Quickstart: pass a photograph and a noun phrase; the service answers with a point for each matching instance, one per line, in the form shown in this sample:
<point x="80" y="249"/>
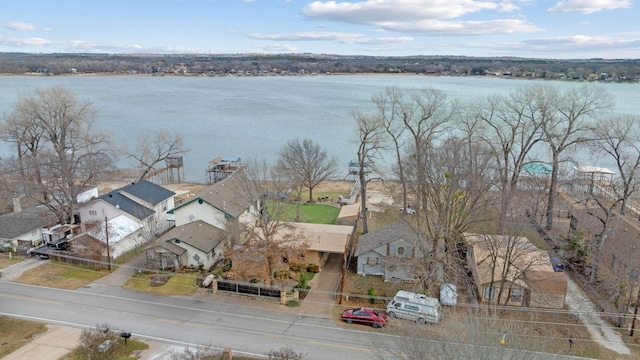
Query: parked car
<point x="43" y="251"/>
<point x="366" y="316"/>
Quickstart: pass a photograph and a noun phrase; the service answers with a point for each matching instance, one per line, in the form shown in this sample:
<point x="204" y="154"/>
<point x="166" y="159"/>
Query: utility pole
<point x="106" y="231"/>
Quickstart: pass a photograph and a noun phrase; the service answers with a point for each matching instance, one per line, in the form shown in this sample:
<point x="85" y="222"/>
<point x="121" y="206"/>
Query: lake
<point x="253" y="117"/>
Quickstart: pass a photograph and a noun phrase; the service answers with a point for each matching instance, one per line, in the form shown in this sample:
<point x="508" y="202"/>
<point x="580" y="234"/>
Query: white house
<point x="225" y="204"/>
<point x="121" y="233"/>
<point x="144" y="202"/>
<point x="196" y="244"/>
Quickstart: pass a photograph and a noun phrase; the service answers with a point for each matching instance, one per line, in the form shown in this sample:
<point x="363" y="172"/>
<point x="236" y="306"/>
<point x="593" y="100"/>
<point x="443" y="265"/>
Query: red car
<point x="366" y="316"/>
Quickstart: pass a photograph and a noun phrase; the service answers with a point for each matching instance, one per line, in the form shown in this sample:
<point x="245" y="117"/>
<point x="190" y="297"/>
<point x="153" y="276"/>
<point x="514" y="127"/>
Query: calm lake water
<point x="253" y="117"/>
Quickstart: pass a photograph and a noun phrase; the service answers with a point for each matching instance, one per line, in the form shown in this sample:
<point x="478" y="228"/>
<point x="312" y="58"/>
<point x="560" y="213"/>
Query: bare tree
<point x="508" y="258"/>
<point x="272" y="238"/>
<point x="567" y="120"/>
<point x="154" y="148"/>
<point x="307" y="162"/>
<point x="22" y="131"/>
<point x="511" y="129"/>
<point x="618" y="138"/>
<point x="426" y="115"/>
<point x="394" y="126"/>
<point x="455" y="187"/>
<point x="369" y="146"/>
<point x="77" y="151"/>
<point x="603" y="212"/>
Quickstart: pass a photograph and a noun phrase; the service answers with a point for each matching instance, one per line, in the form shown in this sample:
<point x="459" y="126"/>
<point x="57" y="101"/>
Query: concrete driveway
<point x="323" y="289"/>
<point x="578" y="301"/>
<point x="16" y="270"/>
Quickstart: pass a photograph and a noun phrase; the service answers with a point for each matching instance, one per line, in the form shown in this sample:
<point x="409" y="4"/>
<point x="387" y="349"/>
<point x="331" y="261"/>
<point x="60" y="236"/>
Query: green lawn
<point x="312" y="213"/>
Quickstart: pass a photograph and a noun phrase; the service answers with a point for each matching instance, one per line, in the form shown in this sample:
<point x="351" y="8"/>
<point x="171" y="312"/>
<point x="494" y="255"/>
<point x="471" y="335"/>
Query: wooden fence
<point x="79" y="259"/>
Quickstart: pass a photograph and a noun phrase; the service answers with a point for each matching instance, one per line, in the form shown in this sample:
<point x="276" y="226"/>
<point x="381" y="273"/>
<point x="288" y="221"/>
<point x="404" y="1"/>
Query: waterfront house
<point x="511" y="270"/>
<point x="391" y="252"/>
<point x="228" y="204"/>
<point x="196" y="244"/>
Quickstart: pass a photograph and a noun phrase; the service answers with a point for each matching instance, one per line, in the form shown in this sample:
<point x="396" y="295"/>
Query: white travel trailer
<point x="416" y="307"/>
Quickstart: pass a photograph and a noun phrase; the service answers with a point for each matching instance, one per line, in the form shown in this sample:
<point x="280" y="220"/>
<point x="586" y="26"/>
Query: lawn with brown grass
<point x="61" y="276"/>
<point x="5" y="262"/>
<point x="16" y="332"/>
<point x="180" y="284"/>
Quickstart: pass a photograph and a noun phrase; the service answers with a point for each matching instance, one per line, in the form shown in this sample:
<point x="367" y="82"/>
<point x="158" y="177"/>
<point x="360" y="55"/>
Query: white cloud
<point x="582" y="41"/>
<point x="413" y="16"/>
<point x="589" y="6"/>
<point x="343" y="38"/>
<point x="278" y="48"/>
<point x="20" y="26"/>
<point x="371" y="12"/>
<point x="506" y="26"/>
<point x="25" y="41"/>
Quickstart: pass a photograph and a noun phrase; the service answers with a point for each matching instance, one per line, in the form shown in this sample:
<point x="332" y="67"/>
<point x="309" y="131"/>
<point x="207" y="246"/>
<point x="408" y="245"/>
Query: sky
<point x="557" y="29"/>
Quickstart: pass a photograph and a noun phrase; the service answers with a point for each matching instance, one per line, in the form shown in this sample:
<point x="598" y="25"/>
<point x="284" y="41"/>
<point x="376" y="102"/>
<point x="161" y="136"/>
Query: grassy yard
<point x="309" y="213"/>
<point x="61" y="276"/>
<point x="16" y="332"/>
<point x="181" y="284"/>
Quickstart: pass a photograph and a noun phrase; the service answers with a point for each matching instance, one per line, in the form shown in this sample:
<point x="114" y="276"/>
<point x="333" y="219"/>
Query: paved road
<point x="182" y="321"/>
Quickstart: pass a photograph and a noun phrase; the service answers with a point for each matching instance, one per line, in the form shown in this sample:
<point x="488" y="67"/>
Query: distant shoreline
<point x="407" y="74"/>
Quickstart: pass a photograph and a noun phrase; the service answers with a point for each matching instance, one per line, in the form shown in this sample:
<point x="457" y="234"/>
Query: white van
<point x="416" y="307"/>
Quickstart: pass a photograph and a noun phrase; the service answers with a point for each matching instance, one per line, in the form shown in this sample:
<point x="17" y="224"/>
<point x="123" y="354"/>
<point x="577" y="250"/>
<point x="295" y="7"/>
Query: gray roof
<point x="198" y="234"/>
<point x="148" y="191"/>
<point x="232" y="195"/>
<point x="15" y="224"/>
<point x="399" y="230"/>
<point x="127" y="205"/>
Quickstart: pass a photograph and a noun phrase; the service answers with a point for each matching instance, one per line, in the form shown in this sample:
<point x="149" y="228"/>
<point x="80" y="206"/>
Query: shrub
<point x="313" y="268"/>
<point x="371" y="292"/>
<point x="282" y="274"/>
<point x="302" y="281"/>
<point x="296" y="266"/>
<point x="285" y="353"/>
<point x="293" y="303"/>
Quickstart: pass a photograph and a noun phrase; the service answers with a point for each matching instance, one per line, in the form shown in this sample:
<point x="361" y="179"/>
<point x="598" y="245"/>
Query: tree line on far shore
<point x="620" y="70"/>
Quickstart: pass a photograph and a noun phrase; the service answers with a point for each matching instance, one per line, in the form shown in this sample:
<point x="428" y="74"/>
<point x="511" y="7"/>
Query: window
<point x="372" y="261"/>
<point x="516" y="295"/>
<point x="164" y="205"/>
<point x="93" y="212"/>
<point x="411" y="307"/>
<point x="489" y="292"/>
<point x="401" y="250"/>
